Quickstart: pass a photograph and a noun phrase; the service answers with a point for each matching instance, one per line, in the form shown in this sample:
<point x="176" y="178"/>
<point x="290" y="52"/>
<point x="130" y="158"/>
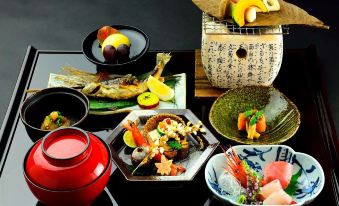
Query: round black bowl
<point x="71" y="103"/>
<point x="139" y="46"/>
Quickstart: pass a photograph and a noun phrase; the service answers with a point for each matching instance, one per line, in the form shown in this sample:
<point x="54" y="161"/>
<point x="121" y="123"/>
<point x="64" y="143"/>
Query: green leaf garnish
<point x="253" y="121"/>
<point x="107" y="104"/>
<point x="241" y="199"/>
<point x="255" y="118"/>
<point x="59" y="121"/>
<point x="175" y="145"/>
<point x="258" y="114"/>
<point x="292" y="187"/>
<point x="248" y="113"/>
<point x="249" y="169"/>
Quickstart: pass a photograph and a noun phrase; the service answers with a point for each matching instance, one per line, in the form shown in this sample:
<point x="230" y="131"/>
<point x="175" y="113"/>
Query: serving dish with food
<point x="255" y="115"/>
<point x="161" y="145"/>
<point x="118" y="190"/>
<point x="115" y="46"/>
<point x="52" y="108"/>
<point x="264" y="175"/>
<point x="111" y="93"/>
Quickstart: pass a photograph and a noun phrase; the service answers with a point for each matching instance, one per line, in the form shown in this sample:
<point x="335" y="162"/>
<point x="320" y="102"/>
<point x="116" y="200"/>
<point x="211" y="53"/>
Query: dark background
<point x="170" y="24"/>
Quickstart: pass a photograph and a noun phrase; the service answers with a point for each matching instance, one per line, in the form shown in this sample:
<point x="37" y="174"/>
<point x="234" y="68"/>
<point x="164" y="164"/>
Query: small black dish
<point x="71" y="103"/>
<point x="139" y="46"/>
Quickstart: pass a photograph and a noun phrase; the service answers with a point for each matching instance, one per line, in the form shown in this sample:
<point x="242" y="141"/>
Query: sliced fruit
<point x="164" y="92"/>
<point x="148" y="100"/>
<point x="104" y="32"/>
<point x="279" y="170"/>
<point x="238" y="9"/>
<point x="161" y="128"/>
<point x="115" y="40"/>
<point x="123" y="52"/>
<point x="110" y="53"/>
<point x="129" y="140"/>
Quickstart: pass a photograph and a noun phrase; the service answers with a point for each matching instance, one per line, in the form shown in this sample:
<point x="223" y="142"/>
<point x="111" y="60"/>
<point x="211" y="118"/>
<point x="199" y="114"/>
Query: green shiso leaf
<point x="171" y="81"/>
<point x="106" y="104"/>
<point x="175" y="145"/>
<point x="292" y="187"/>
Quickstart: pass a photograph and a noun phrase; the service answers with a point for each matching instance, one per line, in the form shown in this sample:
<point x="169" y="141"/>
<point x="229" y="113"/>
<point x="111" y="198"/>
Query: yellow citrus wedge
<point x="115" y="40"/>
<point x="164" y="92"/>
<point x="128" y="139"/>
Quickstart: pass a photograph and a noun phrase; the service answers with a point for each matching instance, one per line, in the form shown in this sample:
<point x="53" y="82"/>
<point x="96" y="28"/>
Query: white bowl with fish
<point x="264" y="175"/>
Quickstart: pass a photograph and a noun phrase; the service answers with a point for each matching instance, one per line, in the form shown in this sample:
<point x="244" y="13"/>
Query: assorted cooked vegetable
<point x="55" y="120"/>
<point x="162" y="143"/>
<point x="253" y="121"/>
<point x="275" y="187"/>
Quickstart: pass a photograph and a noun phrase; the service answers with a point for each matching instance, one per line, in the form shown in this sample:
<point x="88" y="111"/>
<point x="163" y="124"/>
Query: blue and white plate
<point x="309" y="185"/>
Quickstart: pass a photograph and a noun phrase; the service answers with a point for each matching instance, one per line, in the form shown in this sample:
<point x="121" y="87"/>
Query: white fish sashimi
<point x="229" y="184"/>
<point x="279" y="197"/>
<point x="269" y="188"/>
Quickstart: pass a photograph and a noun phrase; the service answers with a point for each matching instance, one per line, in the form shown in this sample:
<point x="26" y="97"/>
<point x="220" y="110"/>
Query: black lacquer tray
<point x="299" y="79"/>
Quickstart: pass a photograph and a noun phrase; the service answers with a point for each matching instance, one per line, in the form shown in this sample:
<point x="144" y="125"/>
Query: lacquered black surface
<point x="297" y="79"/>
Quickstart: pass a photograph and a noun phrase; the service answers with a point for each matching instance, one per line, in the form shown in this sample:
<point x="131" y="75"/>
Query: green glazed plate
<point x="282" y="116"/>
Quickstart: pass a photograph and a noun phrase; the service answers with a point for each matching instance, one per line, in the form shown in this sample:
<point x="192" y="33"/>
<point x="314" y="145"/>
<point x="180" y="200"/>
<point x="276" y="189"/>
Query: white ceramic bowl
<point x="310" y="183"/>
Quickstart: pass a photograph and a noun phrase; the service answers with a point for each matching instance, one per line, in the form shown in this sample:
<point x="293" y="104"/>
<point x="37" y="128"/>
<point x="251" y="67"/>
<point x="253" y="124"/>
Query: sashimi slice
<point x="269" y="188"/>
<point x="278" y="198"/>
<point x="278" y="170"/>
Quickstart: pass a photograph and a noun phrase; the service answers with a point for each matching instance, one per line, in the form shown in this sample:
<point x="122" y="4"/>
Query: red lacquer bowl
<point x="68" y="167"/>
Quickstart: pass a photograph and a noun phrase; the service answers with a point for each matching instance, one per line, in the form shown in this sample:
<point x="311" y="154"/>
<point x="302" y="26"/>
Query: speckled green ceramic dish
<point x="282" y="116"/>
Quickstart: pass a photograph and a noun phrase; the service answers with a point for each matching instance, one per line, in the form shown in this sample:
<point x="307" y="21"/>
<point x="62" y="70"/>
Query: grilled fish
<point x="107" y="85"/>
<point x="125" y="87"/>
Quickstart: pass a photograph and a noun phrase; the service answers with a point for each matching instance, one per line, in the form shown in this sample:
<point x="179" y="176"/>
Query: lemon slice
<point x="128" y="139"/>
<point x="164" y="92"/>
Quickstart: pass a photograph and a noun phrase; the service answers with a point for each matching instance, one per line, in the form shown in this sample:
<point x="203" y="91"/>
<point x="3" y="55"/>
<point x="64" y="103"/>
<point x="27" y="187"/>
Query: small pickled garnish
<point x="241" y="199"/>
<point x="54" y="120"/>
<point x="164" y="167"/>
<point x="175" y="145"/>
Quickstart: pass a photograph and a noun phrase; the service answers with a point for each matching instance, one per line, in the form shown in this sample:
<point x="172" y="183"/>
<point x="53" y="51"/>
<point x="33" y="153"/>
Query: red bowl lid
<point x="66" y="159"/>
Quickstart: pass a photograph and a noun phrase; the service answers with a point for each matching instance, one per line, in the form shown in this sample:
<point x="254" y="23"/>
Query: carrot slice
<point x="174" y="170"/>
<point x="261" y="124"/>
<point x="241" y="122"/>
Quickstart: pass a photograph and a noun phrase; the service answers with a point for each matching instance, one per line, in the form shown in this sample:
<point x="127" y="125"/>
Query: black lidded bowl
<point x="72" y="104"/>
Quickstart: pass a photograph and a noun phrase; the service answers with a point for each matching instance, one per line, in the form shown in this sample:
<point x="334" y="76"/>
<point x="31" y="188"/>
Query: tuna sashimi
<point x="269" y="188"/>
<point x="278" y="170"/>
<point x="279" y="197"/>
